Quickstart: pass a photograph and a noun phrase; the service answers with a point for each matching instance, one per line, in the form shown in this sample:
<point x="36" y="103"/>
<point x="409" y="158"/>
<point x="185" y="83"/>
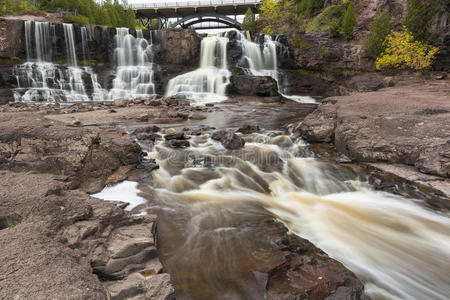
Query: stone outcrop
<point x="11" y="41"/>
<point x="246" y="85"/>
<point x="319" y="52"/>
<point x="65" y="244"/>
<point x="405" y="124"/>
<point x="85" y="158"/>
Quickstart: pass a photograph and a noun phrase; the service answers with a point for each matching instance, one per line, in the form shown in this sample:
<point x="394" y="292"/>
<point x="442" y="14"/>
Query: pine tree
<point x="349" y="22"/>
<point x="249" y="22"/>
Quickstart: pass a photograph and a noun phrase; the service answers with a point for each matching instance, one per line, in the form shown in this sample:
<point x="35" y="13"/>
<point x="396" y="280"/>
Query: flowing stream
<point x="213" y="203"/>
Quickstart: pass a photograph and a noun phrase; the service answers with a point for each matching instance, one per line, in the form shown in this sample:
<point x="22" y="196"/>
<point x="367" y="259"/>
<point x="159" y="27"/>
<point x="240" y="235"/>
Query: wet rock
<point x="232" y="141"/>
<point x="247" y="129"/>
<point x="263" y="86"/>
<point x="172" y="101"/>
<point x="218" y="135"/>
<point x="144" y="136"/>
<point x="175" y="136"/>
<point x="178" y="143"/>
<point x="147" y="129"/>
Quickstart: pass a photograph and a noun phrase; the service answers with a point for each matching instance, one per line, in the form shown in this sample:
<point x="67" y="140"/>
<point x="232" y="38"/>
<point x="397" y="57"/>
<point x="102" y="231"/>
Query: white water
<point x="134" y="59"/>
<point x="398" y="248"/>
<point x="208" y="83"/>
<point x="40" y="78"/>
<point x="262" y="61"/>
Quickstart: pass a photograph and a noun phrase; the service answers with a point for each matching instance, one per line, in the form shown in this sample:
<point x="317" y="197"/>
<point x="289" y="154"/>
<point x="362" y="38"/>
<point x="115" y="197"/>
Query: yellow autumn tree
<point x="402" y="51"/>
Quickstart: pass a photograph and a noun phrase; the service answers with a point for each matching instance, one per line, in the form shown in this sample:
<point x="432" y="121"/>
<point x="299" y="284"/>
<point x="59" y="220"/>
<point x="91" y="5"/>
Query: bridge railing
<point x="190" y="3"/>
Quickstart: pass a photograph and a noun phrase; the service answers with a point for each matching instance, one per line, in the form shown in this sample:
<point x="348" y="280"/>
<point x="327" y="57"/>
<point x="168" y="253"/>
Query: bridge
<point x="189" y="13"/>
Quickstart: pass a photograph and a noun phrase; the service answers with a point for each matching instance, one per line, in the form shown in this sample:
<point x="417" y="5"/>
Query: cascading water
<point x="262" y="61"/>
<point x="42" y="80"/>
<point x="208" y="83"/>
<point x="134" y="58"/>
<point x="398" y="248"/>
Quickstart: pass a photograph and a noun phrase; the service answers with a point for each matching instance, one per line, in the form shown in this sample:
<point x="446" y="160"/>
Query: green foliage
<point x="12" y="223"/>
<point x="322" y="22"/>
<point x="419" y="17"/>
<point x="300" y="43"/>
<point x="349" y="22"/>
<point x="379" y="30"/>
<point x="249" y="23"/>
<point x="334" y="29"/>
<point x="306" y="8"/>
<point x="326" y="52"/>
<point x="403" y="52"/>
<point x="277" y="16"/>
<point x="111" y="13"/>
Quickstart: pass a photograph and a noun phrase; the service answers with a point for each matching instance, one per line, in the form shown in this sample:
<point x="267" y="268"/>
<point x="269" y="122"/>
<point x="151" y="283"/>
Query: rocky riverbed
<point x="60" y="242"/>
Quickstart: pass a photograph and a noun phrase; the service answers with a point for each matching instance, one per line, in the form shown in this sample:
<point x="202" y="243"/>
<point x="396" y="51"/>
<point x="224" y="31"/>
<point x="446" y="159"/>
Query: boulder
<point x="178" y="143"/>
<point x="246" y="129"/>
<point x="175" y="136"/>
<point x="263" y="86"/>
<point x="232" y="141"/>
<point x="367" y="82"/>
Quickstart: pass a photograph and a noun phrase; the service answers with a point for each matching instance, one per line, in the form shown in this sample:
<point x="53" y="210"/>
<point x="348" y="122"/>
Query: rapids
<point x="212" y="204"/>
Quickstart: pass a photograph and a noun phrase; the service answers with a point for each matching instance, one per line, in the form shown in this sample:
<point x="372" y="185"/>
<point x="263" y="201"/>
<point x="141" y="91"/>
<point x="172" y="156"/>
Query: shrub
<point x="420" y="16"/>
<point x="76" y="19"/>
<point x="379" y="30"/>
<point x="349" y="22"/>
<point x="323" y="21"/>
<point x="335" y="28"/>
<point x="277" y="16"/>
<point x="249" y="21"/>
<point x="306" y="8"/>
<point x="402" y="51"/>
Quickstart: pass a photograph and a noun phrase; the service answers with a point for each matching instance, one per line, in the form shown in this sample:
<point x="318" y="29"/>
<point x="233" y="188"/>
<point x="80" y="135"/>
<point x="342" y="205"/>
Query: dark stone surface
<point x="246" y="85"/>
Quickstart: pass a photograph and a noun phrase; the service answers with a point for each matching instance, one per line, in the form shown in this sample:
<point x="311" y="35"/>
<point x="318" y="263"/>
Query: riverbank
<point x="60" y="241"/>
<point x="402" y="130"/>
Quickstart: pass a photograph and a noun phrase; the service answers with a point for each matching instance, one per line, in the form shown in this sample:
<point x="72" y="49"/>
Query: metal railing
<point x="199" y="3"/>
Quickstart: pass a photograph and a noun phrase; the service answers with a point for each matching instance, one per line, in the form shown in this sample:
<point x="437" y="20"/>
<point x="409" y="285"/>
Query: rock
<point x="232" y="141"/>
<point x="366" y="82"/>
<point x="264" y="86"/>
<point x="87" y="157"/>
<point x="247" y="129"/>
<point x="339" y="55"/>
<point x="403" y="124"/>
<point x="218" y="135"/>
<point x="175" y="136"/>
<point x="170" y="130"/>
<point x="319" y="126"/>
<point x="178" y="143"/>
<point x="120" y="103"/>
<point x="112" y="110"/>
<point x="172" y="101"/>
<point x="11" y="38"/>
<point x="76" y="122"/>
<point x="147" y="129"/>
<point x="148" y="136"/>
<point x="143" y="118"/>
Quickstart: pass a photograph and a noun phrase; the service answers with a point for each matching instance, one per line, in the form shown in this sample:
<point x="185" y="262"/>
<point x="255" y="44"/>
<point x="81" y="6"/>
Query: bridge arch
<point x="207" y="17"/>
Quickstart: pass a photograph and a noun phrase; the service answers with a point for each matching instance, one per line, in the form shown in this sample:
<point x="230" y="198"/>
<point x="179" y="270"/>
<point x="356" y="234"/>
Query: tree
<point x="420" y="16"/>
<point x="249" y="21"/>
<point x="402" y="51"/>
<point x="349" y="22"/>
<point x="379" y="29"/>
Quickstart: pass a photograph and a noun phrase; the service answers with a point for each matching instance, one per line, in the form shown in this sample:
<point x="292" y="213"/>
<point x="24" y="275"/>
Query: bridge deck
<point x="180" y="9"/>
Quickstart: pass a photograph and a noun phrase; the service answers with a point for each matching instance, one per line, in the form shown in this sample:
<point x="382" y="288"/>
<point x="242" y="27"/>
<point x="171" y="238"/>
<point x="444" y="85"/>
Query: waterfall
<point x="208" y="83"/>
<point x="262" y="61"/>
<point x="39" y="79"/>
<point x="84" y="43"/>
<point x="134" y="58"/>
